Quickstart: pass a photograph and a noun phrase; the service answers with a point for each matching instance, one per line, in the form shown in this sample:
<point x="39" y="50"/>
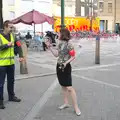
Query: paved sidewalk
<point x="30" y="88"/>
<point x="97" y="86"/>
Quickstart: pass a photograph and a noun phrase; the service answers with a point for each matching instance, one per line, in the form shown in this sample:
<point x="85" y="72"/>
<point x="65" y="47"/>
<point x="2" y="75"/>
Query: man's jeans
<point x="10" y="72"/>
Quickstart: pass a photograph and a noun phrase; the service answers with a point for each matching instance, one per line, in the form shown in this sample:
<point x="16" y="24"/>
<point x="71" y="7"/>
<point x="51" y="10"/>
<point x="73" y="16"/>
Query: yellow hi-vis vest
<point x="7" y="55"/>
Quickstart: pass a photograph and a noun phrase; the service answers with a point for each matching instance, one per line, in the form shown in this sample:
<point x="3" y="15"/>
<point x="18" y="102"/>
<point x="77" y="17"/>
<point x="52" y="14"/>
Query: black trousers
<point x="10" y="72"/>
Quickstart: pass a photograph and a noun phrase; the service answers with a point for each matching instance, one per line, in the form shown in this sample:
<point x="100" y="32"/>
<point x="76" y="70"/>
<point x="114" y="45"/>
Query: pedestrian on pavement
<point x="28" y="36"/>
<point x="7" y="67"/>
<point x="28" y="39"/>
<point x="42" y="39"/>
<point x="66" y="54"/>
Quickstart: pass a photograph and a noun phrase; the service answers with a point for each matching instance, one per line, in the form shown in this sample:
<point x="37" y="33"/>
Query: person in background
<point x="7" y="62"/>
<point x="43" y="41"/>
<point x="66" y="54"/>
<point x="28" y="36"/>
<point x="28" y="39"/>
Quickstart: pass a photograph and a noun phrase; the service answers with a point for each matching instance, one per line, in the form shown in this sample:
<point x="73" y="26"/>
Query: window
<point x="69" y="6"/>
<point x="90" y="11"/>
<point x="11" y="2"/>
<point x="109" y="7"/>
<point x="101" y="6"/>
<point x="91" y="1"/>
<point x="82" y="11"/>
<point x="82" y="0"/>
<point x="12" y="14"/>
<point x="27" y="0"/>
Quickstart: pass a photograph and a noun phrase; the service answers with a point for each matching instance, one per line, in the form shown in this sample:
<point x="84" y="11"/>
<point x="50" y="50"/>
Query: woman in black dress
<point x="65" y="53"/>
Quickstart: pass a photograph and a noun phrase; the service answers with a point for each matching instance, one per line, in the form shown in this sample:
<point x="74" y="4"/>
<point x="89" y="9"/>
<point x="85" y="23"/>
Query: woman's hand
<point x="64" y="64"/>
<point x="49" y="46"/>
<point x="21" y="59"/>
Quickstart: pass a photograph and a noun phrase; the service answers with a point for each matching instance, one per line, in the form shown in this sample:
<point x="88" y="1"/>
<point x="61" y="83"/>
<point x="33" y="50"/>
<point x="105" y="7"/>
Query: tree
<point x="1" y="16"/>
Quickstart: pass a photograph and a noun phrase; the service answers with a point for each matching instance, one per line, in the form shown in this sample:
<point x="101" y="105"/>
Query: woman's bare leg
<point x="74" y="99"/>
<point x="65" y="93"/>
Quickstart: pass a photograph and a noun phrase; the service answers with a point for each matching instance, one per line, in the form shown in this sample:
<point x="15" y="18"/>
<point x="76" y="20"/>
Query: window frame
<point x="101" y="6"/>
<point x="110" y="7"/>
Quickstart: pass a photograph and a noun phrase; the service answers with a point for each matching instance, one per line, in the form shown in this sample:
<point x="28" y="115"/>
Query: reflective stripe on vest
<point x="7" y="58"/>
<point x="7" y="55"/>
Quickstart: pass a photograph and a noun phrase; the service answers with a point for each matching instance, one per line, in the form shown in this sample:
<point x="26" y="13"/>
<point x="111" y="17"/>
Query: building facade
<point x="107" y="10"/>
<point x="86" y="7"/>
<point x="69" y="8"/>
<point x="106" y="14"/>
<point x="14" y="8"/>
<point x="109" y="14"/>
<point x="9" y="9"/>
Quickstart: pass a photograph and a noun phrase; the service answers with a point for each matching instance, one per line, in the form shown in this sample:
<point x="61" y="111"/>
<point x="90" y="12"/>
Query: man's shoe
<point x="2" y="105"/>
<point x="14" y="99"/>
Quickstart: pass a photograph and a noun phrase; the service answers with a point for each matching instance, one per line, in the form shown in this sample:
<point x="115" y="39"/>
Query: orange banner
<point x="77" y="24"/>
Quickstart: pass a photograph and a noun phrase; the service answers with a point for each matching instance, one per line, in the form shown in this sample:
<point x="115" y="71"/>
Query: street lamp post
<point x="62" y="14"/>
<point x="115" y="16"/>
<point x="91" y="18"/>
<point x="91" y="24"/>
<point x="97" y="50"/>
<point x="1" y="16"/>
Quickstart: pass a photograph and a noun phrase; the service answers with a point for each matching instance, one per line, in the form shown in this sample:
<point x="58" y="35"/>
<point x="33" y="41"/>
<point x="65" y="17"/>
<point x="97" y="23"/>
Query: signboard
<point x="77" y="24"/>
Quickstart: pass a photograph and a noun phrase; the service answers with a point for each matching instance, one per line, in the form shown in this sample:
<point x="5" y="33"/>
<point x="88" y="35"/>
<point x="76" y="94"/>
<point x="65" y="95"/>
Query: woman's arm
<point x="72" y="54"/>
<point x="54" y="51"/>
<point x="70" y="60"/>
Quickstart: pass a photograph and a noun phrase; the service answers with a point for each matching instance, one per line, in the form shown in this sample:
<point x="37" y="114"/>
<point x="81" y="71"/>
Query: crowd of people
<point x="89" y="34"/>
<point x="38" y="37"/>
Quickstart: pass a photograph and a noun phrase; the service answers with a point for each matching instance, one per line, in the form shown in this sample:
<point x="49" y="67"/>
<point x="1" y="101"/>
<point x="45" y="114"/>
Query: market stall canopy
<point x="33" y="17"/>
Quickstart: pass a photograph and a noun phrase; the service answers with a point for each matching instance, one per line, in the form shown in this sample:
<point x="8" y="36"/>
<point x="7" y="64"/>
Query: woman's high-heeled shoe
<point x="78" y="113"/>
<point x="64" y="106"/>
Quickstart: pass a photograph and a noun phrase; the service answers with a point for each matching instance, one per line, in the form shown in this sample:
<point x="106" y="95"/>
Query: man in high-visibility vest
<point x="7" y="67"/>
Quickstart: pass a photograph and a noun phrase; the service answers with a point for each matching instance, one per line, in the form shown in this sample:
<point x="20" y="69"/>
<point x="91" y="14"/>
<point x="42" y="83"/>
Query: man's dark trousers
<point x="9" y="71"/>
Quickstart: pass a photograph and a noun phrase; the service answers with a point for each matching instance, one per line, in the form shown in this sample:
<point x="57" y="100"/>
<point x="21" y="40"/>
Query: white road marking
<point x="104" y="69"/>
<point x="52" y="67"/>
<point x="39" y="105"/>
<point x="97" y="81"/>
<point x="43" y="65"/>
<point x="117" y="54"/>
<point x="95" y="67"/>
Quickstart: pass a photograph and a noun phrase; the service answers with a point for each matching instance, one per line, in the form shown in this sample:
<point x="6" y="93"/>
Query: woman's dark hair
<point x="64" y="34"/>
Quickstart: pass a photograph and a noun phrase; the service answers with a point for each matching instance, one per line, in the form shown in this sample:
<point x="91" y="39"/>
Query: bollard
<point x="97" y="52"/>
<point x="23" y="64"/>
